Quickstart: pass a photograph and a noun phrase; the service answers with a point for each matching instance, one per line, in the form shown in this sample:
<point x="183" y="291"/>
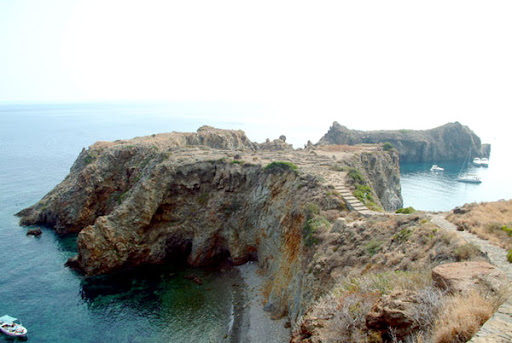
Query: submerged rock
<point x="34" y="232"/>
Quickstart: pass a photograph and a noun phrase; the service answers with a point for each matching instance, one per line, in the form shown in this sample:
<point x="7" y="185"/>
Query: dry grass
<point x="461" y="317"/>
<point x="486" y="220"/>
<point x="339" y="148"/>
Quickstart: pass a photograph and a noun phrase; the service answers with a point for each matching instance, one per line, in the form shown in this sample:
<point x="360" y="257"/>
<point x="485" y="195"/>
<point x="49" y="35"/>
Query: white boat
<point x="464" y="176"/>
<point x="477" y="162"/>
<point x="484" y="162"/>
<point x="469" y="178"/>
<point x="9" y="327"/>
<point x="436" y="168"/>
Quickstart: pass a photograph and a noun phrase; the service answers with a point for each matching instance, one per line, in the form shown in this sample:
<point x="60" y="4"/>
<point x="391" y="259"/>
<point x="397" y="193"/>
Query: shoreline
<point x="252" y="323"/>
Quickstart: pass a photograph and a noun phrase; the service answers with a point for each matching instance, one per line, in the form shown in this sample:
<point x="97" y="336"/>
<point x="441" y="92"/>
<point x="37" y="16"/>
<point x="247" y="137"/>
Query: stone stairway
<point x="321" y="166"/>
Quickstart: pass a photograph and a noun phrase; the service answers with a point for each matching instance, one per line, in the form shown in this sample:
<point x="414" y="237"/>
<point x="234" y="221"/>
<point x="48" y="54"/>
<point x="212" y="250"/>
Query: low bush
<point x="466" y="252"/>
<point x="407" y="210"/>
<point x="355" y="176"/>
<point x="461" y="317"/>
<point x="387" y="146"/>
<point x="281" y="166"/>
<point x="311" y="228"/>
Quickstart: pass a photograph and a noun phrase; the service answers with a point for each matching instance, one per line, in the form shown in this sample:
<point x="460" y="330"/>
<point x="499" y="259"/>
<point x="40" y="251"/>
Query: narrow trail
<point x="499" y="327"/>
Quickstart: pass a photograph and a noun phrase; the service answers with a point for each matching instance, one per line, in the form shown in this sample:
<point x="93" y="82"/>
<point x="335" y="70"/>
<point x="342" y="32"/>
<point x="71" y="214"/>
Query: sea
<point x="38" y="145"/>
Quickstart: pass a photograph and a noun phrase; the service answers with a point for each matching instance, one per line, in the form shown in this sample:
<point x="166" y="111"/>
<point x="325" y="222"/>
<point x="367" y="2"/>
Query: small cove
<point x="148" y="304"/>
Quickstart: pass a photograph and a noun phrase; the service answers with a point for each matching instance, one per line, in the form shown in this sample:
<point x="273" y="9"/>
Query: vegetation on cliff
<point x="385" y="291"/>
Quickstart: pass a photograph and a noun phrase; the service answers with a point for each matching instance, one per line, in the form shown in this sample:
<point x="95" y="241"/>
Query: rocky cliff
<point x="451" y="141"/>
<point x="210" y="196"/>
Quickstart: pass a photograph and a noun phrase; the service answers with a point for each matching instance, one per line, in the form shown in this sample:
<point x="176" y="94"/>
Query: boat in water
<point x="481" y="162"/>
<point x="469" y="178"/>
<point x="466" y="177"/>
<point x="436" y="169"/>
<point x="9" y="327"/>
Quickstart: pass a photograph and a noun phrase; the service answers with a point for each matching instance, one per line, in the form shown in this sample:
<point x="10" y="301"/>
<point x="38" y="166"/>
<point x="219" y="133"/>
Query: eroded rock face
<point x="451" y="141"/>
<point x="203" y="198"/>
<point x="103" y="174"/>
<point x="397" y="310"/>
<point x="465" y="276"/>
<point x="206" y="210"/>
<point x="382" y="171"/>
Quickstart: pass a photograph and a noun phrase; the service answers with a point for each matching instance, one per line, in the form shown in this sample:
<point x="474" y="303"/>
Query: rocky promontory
<point x="452" y="141"/>
<point x="314" y="219"/>
<point x="205" y="197"/>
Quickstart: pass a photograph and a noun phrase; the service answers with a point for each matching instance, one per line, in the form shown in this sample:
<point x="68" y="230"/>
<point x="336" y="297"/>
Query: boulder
<point x="466" y="276"/>
<point x="397" y="311"/>
<point x="34" y="232"/>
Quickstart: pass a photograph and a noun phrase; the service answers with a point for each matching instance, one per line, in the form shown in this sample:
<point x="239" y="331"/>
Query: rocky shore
<point x="257" y="324"/>
<point x="214" y="196"/>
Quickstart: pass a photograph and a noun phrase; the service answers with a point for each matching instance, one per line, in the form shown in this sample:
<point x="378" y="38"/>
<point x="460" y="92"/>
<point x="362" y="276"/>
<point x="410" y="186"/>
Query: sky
<point x="366" y="64"/>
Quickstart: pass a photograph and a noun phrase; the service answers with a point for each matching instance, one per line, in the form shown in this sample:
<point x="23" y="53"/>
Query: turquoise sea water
<point x="39" y="143"/>
<point x="425" y="190"/>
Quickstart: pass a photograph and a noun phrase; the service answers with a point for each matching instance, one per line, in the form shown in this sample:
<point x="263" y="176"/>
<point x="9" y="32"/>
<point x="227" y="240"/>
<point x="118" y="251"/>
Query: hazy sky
<point x="366" y="64"/>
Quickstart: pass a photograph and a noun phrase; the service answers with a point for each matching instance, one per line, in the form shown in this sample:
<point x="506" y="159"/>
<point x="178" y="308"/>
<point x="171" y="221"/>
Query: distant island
<point x="452" y="141"/>
<point x="337" y="261"/>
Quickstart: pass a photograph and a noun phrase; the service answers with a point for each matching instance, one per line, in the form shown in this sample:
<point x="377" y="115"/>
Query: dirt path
<point x="499" y="327"/>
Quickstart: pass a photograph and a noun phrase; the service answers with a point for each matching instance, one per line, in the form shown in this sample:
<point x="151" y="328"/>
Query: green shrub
<point x="237" y="162"/>
<point x="509" y="255"/>
<point x="407" y="210"/>
<point x="312" y="209"/>
<point x="355" y="176"/>
<point x="278" y="166"/>
<point x="403" y="235"/>
<point x="311" y="227"/>
<point x="387" y="146"/>
<point x="373" y="247"/>
<point x="360" y="192"/>
<point x="88" y="159"/>
<point x="507" y="230"/>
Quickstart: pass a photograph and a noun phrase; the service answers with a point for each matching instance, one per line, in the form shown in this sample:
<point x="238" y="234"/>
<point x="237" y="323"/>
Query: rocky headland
<point x="452" y="141"/>
<point x="314" y="220"/>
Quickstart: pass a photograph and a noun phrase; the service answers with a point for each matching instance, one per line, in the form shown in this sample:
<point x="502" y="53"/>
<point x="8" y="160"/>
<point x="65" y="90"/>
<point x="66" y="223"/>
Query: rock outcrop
<point x="451" y="141"/>
<point x="466" y="276"/>
<point x="397" y="310"/>
<point x="206" y="197"/>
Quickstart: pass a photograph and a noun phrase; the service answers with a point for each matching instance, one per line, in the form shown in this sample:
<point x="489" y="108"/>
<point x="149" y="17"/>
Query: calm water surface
<point x="425" y="190"/>
<point x="38" y="145"/>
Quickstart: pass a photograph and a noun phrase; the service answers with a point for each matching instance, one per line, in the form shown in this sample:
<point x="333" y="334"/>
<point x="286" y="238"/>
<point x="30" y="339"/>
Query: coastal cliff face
<point x="451" y="141"/>
<point x="205" y="197"/>
<point x="381" y="169"/>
